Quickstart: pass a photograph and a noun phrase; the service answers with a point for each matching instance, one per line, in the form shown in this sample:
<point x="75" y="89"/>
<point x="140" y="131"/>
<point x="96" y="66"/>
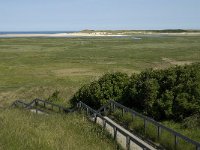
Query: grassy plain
<point x="36" y="67"/>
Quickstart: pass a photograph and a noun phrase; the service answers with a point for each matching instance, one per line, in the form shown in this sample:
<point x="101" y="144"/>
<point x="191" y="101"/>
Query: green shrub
<point x="88" y="94"/>
<point x="142" y="92"/>
<point x="192" y="121"/>
<point x="54" y="97"/>
<point x="173" y="93"/>
<point x="110" y="86"/>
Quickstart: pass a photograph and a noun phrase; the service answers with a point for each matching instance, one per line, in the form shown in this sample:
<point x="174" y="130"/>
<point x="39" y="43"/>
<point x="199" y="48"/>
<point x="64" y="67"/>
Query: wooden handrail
<point x="159" y="125"/>
<point x="35" y="103"/>
<point x="97" y="114"/>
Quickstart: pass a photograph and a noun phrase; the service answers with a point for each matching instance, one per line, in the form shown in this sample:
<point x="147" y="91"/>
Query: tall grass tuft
<point x="22" y="130"/>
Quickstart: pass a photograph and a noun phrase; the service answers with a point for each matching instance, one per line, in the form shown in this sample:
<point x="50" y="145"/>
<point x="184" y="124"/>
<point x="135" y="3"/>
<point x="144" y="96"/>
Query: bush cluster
<point x="97" y="93"/>
<point x="173" y="93"/>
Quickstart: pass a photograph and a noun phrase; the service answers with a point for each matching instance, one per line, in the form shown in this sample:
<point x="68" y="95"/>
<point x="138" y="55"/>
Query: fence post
<point x="197" y="148"/>
<point x="115" y="133"/>
<point x="14" y="104"/>
<point x="175" y="141"/>
<point x="77" y="105"/>
<point x="145" y="125"/>
<point x="132" y="116"/>
<point x="104" y="110"/>
<point x="110" y="108"/>
<point x="36" y="103"/>
<point x="159" y="132"/>
<point x="113" y="106"/>
<point x="122" y="111"/>
<point x="80" y="105"/>
<point x="104" y="124"/>
<point x="95" y="117"/>
<point x="128" y="142"/>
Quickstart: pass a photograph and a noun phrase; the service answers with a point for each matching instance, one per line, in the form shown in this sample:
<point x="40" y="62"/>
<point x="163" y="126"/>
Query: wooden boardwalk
<point x="124" y="137"/>
<point x="121" y="138"/>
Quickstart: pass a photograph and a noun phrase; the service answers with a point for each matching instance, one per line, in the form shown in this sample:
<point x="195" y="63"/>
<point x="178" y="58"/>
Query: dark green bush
<point x="142" y="92"/>
<point x="109" y="86"/>
<point x="173" y="93"/>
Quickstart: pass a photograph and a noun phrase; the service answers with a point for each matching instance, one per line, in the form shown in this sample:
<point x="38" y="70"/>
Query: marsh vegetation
<point x="38" y="67"/>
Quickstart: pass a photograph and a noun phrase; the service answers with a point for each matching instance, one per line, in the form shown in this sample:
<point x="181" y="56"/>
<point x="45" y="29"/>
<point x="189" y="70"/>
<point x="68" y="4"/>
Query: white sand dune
<point x="97" y="34"/>
<point x="77" y="34"/>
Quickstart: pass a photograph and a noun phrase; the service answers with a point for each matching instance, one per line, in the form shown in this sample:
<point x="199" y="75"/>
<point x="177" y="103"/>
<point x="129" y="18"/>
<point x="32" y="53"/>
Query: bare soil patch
<point x="175" y="62"/>
<point x="74" y="72"/>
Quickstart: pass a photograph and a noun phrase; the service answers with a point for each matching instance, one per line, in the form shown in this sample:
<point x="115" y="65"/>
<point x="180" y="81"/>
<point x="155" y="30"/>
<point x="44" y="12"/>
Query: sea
<point x="35" y="32"/>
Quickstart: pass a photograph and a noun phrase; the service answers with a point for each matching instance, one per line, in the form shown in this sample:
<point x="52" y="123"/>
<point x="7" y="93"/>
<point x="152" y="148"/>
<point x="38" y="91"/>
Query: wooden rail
<point x="112" y="105"/>
<point x="23" y="104"/>
<point x="159" y="126"/>
<point x="59" y="107"/>
<point x="116" y="129"/>
<point x="38" y="102"/>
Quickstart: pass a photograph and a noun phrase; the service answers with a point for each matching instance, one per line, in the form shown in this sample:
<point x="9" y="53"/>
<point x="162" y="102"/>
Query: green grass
<point x="36" y="67"/>
<point x="24" y="130"/>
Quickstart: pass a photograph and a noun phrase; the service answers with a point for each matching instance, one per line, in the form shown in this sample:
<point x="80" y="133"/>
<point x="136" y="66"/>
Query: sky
<point x="74" y="15"/>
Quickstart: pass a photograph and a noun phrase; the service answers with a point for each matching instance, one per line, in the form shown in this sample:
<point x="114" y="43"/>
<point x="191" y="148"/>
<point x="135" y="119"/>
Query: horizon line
<point x="187" y="29"/>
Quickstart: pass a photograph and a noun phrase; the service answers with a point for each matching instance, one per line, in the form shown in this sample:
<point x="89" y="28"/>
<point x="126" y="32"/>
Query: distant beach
<point x="92" y="34"/>
<point x="55" y="34"/>
<point x="35" y="33"/>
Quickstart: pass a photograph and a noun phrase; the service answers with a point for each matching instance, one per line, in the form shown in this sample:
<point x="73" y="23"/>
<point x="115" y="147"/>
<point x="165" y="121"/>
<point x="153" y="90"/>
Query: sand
<point x="77" y="34"/>
<point x="99" y="34"/>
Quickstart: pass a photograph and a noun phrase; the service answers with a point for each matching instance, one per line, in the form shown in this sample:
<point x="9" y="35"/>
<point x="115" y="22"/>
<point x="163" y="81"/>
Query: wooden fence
<point x="95" y="114"/>
<point x="38" y="103"/>
<point x="113" y="105"/>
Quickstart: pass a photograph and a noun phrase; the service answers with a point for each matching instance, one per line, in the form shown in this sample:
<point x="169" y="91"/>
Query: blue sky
<point x="47" y="15"/>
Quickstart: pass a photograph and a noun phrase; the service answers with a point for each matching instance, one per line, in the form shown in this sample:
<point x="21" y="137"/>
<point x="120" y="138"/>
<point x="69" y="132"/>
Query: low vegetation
<point x="25" y="130"/>
<point x="36" y="67"/>
<point x="171" y="96"/>
<point x="173" y="93"/>
<point x="97" y="93"/>
<point x="55" y="68"/>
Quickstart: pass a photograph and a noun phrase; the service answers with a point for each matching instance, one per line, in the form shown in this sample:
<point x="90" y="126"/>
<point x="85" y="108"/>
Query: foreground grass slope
<point x="24" y="130"/>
